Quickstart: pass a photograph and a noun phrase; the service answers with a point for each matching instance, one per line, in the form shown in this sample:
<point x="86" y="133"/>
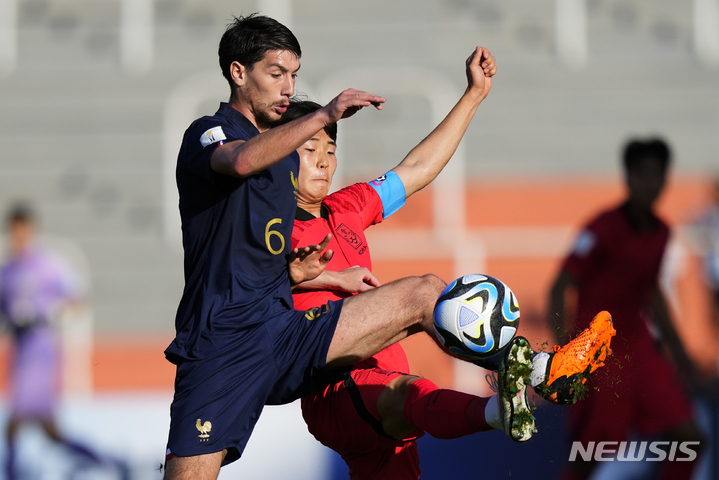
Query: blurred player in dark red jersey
<point x="615" y="265"/>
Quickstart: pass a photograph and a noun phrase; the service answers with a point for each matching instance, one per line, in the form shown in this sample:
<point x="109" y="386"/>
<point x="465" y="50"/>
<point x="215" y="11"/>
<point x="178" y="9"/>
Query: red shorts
<point x="638" y="391"/>
<point x="344" y="417"/>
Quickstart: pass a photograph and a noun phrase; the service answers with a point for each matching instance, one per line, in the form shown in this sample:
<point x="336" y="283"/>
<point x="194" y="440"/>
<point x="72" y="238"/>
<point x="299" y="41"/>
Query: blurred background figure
<point x="706" y="231"/>
<point x="36" y="285"/>
<point x="615" y="265"/>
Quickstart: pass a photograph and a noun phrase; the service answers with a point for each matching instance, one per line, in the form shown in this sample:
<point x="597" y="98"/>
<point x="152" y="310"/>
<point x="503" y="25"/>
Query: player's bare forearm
<point x="327" y="280"/>
<point x="353" y="280"/>
<point x="243" y="158"/>
<point x="426" y="160"/>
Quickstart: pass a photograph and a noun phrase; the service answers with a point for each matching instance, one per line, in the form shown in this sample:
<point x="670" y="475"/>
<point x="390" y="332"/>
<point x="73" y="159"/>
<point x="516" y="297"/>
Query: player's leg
<point x="50" y="428"/>
<point x="560" y="376"/>
<point x="688" y="431"/>
<point x="664" y="407"/>
<point x="11" y="430"/>
<point x="218" y="400"/>
<point x="343" y="416"/>
<point x="397" y="462"/>
<point x="374" y="320"/>
<point x="409" y="403"/>
<point x="198" y="467"/>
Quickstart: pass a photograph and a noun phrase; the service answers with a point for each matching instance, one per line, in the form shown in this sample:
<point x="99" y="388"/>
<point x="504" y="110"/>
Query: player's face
<point x="269" y="85"/>
<point x="317" y="167"/>
<point x="20" y="234"/>
<point x="645" y="181"/>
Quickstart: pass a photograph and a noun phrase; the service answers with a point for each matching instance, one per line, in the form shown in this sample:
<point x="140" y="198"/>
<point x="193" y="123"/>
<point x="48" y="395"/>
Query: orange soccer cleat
<point x="569" y="366"/>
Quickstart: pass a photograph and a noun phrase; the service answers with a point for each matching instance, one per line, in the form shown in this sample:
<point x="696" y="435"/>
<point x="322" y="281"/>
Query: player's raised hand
<point x="350" y="102"/>
<point x="481" y="68"/>
<point x="306" y="263"/>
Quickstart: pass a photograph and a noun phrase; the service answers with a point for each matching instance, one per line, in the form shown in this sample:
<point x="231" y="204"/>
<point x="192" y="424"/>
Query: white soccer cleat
<point x="513" y="380"/>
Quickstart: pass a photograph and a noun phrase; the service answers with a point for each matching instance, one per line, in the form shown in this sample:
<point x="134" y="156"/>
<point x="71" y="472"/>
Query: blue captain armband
<point x="390" y="189"/>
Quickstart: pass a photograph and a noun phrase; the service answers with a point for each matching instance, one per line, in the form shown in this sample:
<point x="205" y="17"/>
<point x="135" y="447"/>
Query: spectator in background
<point x="615" y="266"/>
<point x="35" y="286"/>
<point x="705" y="232"/>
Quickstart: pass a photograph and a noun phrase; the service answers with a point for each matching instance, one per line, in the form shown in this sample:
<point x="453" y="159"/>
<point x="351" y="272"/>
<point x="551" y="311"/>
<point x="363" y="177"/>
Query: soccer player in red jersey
<point x="615" y="265"/>
<point x="374" y="416"/>
<point x="363" y="417"/>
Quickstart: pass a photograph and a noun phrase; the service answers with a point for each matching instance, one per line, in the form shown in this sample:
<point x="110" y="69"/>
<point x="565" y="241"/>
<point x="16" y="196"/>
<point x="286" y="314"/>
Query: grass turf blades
<point x="513" y="380"/>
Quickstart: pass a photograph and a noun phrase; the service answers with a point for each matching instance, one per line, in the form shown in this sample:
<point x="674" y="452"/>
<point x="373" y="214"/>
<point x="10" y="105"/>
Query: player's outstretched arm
<point x="242" y="158"/>
<point x="353" y="280"/>
<point x="426" y="160"/>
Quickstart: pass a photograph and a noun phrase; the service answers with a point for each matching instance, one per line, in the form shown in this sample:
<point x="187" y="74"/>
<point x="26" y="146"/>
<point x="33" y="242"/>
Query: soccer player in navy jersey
<point x="239" y="344"/>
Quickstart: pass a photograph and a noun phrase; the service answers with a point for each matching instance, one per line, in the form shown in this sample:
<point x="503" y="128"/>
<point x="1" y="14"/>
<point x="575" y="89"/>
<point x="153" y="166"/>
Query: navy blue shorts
<point x="218" y="400"/>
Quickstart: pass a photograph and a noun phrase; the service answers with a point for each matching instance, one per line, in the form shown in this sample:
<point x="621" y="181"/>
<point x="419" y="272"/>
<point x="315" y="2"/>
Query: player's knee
<point x="431" y="287"/>
<point x="435" y="283"/>
<point x="397" y="390"/>
<point x="390" y="406"/>
<point x="425" y="299"/>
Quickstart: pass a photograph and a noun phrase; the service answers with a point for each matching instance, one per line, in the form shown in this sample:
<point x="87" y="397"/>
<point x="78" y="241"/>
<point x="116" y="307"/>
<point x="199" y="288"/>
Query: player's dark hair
<point x="247" y="39"/>
<point x="300" y="108"/>
<point x="637" y="150"/>
<point x="20" y="213"/>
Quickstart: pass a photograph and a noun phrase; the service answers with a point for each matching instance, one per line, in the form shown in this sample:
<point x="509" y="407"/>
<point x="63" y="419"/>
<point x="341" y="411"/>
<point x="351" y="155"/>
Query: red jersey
<point x="345" y="214"/>
<point x="616" y="267"/>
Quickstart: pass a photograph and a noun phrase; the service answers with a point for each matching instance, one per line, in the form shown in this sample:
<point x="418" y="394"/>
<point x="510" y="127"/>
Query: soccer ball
<point x="476" y="316"/>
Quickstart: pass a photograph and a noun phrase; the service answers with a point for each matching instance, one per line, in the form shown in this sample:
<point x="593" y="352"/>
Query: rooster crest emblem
<point x="295" y="182"/>
<point x="203" y="428"/>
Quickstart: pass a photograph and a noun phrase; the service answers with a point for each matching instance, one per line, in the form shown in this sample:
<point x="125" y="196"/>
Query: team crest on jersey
<point x="295" y="183"/>
<point x="204" y="429"/>
<point x="314" y="312"/>
<point x="584" y="244"/>
<point x="351" y="237"/>
<point x="213" y="135"/>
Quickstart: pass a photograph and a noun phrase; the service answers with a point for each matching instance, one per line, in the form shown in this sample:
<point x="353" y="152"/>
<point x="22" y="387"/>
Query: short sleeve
<point x="359" y="199"/>
<point x="200" y="141"/>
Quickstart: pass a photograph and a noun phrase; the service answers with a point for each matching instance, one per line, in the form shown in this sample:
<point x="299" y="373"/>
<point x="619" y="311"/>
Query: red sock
<point x="444" y="413"/>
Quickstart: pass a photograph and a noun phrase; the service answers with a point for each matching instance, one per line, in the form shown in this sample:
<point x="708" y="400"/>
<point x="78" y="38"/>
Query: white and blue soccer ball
<point x="476" y="316"/>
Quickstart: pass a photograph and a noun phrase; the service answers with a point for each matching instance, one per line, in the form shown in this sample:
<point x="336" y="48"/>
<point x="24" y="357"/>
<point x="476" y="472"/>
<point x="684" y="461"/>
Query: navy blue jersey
<point x="236" y="237"/>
